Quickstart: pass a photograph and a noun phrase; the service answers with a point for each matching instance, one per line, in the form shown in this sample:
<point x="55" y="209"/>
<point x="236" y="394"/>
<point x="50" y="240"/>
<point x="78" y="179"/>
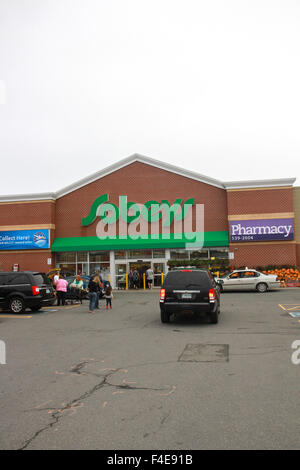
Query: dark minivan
<point x="192" y="290"/>
<point x="19" y="290"/>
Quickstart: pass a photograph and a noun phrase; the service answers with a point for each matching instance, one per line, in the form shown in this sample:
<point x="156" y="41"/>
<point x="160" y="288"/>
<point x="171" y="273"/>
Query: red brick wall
<point x="31" y="213"/>
<point x="298" y="254"/>
<point x="263" y="254"/>
<point x="141" y="183"/>
<point x="30" y="261"/>
<point x="260" y="201"/>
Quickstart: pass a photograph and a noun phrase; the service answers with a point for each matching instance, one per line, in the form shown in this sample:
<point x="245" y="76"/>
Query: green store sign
<point x="151" y="211"/>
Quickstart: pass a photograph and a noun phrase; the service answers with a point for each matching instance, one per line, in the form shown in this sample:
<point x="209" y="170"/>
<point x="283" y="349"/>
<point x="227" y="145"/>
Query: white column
<point x="167" y="256"/>
<point x="112" y="269"/>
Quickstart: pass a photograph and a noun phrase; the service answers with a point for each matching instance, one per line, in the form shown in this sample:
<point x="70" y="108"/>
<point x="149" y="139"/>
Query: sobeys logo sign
<point x="151" y="211"/>
<point x="148" y="221"/>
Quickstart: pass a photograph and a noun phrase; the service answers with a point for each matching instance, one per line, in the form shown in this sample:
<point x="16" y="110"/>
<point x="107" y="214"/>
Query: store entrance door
<point x="141" y="268"/>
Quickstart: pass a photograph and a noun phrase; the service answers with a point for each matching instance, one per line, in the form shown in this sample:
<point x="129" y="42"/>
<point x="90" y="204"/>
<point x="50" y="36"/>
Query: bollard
<point x="126" y="281"/>
<point x="162" y="278"/>
<point x="144" y="280"/>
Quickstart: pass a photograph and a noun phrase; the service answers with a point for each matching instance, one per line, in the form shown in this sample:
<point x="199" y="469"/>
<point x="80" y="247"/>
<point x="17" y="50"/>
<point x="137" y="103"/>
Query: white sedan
<point x="248" y="279"/>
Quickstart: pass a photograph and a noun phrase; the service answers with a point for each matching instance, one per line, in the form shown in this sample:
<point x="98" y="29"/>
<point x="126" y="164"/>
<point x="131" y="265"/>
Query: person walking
<point x="94" y="289"/>
<point x="108" y="296"/>
<point x="61" y="290"/>
<point x="135" y="278"/>
<point x="150" y="277"/>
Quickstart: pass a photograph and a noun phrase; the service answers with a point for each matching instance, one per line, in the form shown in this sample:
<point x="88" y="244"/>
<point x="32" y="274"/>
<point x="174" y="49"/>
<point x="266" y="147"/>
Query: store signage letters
<point x="261" y="230"/>
<point x="151" y="211"/>
<point x="134" y="219"/>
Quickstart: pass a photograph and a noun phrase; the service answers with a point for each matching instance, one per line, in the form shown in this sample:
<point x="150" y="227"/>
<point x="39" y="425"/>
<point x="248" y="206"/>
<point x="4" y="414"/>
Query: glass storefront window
<point x="158" y="253"/>
<point x="82" y="256"/>
<point x="219" y="253"/>
<point x="179" y="254"/>
<point x="100" y="268"/>
<point x="67" y="269"/>
<point x="66" y="257"/>
<point x="121" y="254"/>
<point x="99" y="256"/>
<point x="140" y="254"/>
<point x="199" y="254"/>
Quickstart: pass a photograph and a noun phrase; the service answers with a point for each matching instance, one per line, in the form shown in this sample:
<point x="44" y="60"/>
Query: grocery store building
<point x="253" y="223"/>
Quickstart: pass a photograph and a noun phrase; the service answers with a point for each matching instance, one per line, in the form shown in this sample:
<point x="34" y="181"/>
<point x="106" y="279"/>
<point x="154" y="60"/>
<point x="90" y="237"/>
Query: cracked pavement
<point x="114" y="379"/>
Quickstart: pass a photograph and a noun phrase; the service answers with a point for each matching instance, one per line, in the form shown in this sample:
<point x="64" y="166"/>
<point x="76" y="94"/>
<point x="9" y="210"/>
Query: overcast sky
<point x="208" y="85"/>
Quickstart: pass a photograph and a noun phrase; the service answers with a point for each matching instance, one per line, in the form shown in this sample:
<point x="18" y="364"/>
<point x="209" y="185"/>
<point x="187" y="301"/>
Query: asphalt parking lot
<point x="121" y="379"/>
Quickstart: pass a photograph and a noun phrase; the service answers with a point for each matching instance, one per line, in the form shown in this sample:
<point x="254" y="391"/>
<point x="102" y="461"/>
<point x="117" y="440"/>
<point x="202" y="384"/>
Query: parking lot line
<point x="289" y="307"/>
<point x="15" y="316"/>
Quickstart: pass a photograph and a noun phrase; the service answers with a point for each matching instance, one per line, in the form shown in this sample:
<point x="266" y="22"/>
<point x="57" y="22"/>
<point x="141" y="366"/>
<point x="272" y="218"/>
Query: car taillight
<point x="187" y="271"/>
<point x="211" y="295"/>
<point x="35" y="290"/>
<point x="162" y="294"/>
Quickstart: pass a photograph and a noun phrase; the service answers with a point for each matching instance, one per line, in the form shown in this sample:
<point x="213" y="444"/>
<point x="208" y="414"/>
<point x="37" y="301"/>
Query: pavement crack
<point x="57" y="414"/>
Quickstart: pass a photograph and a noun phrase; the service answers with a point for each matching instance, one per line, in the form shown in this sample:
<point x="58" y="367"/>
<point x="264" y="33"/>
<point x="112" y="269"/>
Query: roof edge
<point x="249" y="184"/>
<point x="152" y="162"/>
<point x="28" y="197"/>
<point x="142" y="159"/>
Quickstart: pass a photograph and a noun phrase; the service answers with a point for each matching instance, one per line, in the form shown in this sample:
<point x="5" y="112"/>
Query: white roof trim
<point x="142" y="159"/>
<point x="259" y="183"/>
<point x="148" y="161"/>
<point x="28" y="197"/>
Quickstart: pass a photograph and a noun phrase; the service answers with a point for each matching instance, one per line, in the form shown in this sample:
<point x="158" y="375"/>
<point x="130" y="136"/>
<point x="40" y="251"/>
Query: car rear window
<point x="185" y="279"/>
<point x="40" y="279"/>
<point x="15" y="279"/>
<point x="3" y="278"/>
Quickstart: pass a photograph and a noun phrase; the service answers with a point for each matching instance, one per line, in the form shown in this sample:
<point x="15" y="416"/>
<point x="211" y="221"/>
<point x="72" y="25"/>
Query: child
<point x="108" y="296"/>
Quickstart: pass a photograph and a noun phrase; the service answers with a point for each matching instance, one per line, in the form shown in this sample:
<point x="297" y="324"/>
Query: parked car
<point x="84" y="278"/>
<point x="248" y="279"/>
<point x="192" y="290"/>
<point x="19" y="290"/>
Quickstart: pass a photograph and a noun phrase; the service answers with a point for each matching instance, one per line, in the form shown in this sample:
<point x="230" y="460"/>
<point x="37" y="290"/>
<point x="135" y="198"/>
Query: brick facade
<point x="143" y="182"/>
<point x="140" y="183"/>
<point x="25" y="216"/>
<point x="256" y="204"/>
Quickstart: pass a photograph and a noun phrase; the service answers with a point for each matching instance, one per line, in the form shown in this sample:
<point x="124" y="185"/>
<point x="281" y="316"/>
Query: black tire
<point x="214" y="316"/>
<point x="36" y="308"/>
<point x="165" y="317"/>
<point x="16" y="305"/>
<point x="261" y="287"/>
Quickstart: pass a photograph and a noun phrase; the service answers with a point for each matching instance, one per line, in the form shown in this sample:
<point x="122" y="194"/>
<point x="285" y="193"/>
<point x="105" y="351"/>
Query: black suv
<point x="19" y="290"/>
<point x="192" y="290"/>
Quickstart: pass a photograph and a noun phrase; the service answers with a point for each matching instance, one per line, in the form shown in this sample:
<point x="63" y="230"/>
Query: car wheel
<point x="164" y="316"/>
<point x="261" y="287"/>
<point x="35" y="308"/>
<point x="214" y="316"/>
<point x="16" y="305"/>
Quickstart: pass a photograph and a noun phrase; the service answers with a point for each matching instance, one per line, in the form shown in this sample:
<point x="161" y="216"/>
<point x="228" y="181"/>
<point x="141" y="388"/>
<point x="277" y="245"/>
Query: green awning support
<point x="211" y="239"/>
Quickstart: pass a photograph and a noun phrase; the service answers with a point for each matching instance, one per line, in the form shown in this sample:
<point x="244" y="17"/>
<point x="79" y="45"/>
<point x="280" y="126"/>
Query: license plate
<point x="186" y="296"/>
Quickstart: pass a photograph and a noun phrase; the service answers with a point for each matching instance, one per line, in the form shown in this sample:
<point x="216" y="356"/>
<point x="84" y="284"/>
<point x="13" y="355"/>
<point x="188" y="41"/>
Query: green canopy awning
<point x="211" y="239"/>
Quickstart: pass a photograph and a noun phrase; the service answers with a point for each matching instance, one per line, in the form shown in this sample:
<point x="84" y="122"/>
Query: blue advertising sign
<point x="261" y="230"/>
<point x="24" y="240"/>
